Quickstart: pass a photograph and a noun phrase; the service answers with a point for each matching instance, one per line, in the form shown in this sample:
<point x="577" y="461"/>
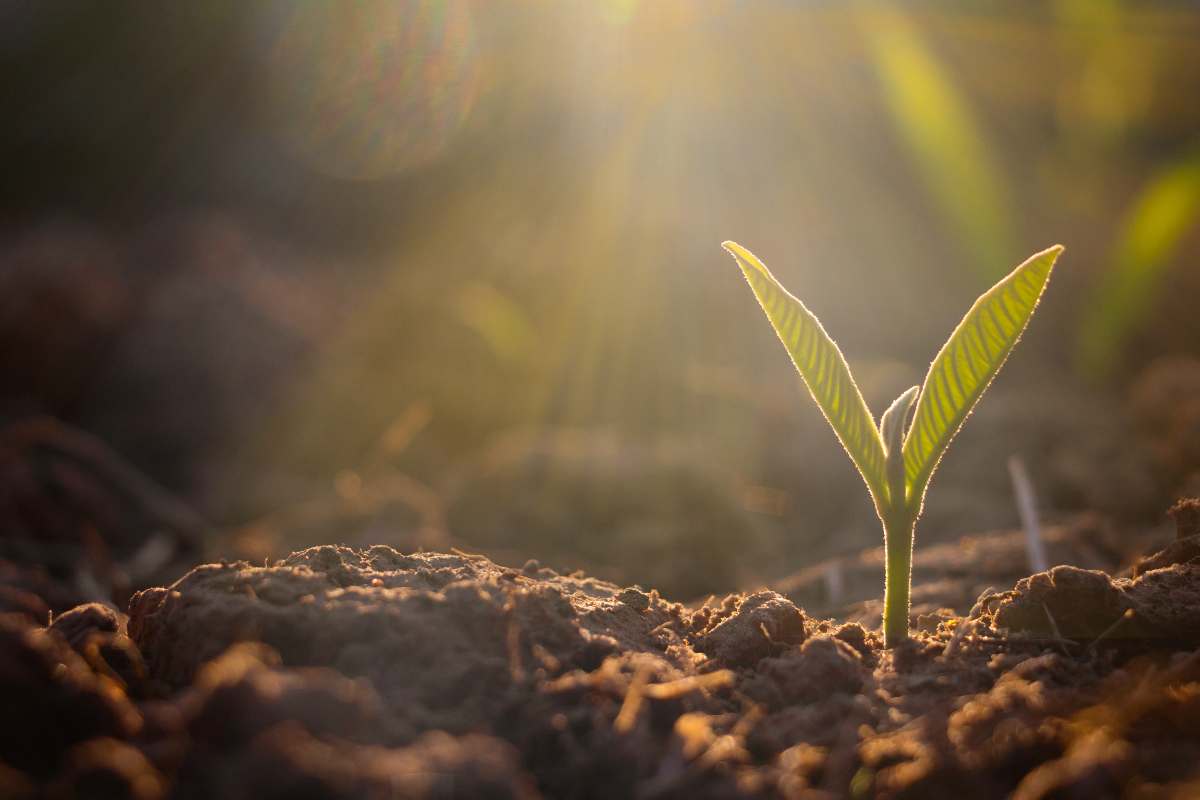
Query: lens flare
<point x="370" y="89"/>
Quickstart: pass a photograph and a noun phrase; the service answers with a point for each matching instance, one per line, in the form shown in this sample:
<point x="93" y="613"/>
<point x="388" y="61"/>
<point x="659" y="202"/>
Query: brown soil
<point x="344" y="673"/>
<point x="953" y="575"/>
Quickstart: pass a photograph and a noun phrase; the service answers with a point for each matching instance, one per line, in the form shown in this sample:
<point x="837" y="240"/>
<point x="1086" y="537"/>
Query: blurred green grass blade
<point x="940" y="132"/>
<point x="966" y="364"/>
<point x="823" y="368"/>
<point x="1162" y="215"/>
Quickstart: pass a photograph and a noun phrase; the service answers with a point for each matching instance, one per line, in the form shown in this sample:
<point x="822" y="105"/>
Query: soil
<point x="344" y="673"/>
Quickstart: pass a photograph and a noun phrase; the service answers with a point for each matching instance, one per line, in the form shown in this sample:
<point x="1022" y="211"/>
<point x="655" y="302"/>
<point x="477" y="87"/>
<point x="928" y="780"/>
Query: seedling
<point x="897" y="458"/>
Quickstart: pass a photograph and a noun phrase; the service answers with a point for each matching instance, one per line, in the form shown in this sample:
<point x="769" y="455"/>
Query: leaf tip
<point x="745" y="259"/>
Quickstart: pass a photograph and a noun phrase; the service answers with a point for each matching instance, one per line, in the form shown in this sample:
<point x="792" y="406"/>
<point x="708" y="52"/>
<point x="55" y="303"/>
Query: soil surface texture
<point x="370" y="673"/>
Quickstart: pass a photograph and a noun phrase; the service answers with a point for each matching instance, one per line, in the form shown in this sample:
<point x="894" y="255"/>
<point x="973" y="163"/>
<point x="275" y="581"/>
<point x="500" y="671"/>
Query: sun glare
<point x="369" y="89"/>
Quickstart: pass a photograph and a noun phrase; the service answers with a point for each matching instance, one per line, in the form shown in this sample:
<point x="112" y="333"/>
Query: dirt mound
<point x="457" y="644"/>
<point x="1159" y="606"/>
<point x="443" y="637"/>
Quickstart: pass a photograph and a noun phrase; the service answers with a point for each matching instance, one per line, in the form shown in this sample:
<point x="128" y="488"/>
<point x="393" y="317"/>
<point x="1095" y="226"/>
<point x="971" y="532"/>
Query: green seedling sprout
<point x="898" y="458"/>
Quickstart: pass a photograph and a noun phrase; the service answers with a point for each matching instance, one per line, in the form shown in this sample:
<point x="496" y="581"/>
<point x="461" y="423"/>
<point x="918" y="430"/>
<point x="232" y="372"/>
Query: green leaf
<point x="823" y="369"/>
<point x="966" y="364"/>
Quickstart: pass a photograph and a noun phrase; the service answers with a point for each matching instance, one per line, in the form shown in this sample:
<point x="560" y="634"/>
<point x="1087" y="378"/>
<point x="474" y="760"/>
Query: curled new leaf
<point x="891" y="429"/>
<point x="823" y="368"/>
<point x="966" y="365"/>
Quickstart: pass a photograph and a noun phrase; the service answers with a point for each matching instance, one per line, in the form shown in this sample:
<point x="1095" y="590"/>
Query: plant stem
<point x="898" y="548"/>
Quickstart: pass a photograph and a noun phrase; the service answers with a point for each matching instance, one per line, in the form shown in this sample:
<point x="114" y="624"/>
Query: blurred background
<point x="447" y="273"/>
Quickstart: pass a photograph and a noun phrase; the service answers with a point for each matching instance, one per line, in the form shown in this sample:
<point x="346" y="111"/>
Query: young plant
<point x="897" y="459"/>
